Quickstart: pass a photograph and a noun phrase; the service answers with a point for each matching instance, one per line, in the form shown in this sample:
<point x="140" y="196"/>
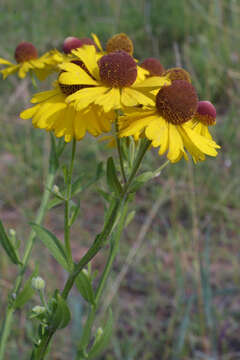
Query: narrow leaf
<point x="102" y="341"/>
<point x="54" y="164"/>
<point x="84" y="286"/>
<point x="112" y="178"/>
<point x="8" y="246"/>
<point x="27" y="292"/>
<point x="61" y="316"/>
<point x="52" y="243"/>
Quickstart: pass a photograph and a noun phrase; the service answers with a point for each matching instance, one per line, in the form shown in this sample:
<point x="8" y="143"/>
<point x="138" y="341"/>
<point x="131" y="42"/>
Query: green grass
<point x="179" y="298"/>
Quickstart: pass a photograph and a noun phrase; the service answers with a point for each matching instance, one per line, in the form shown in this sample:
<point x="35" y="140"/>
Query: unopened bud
<point x="38" y="283"/>
<point x="38" y="309"/>
<point x="55" y="189"/>
<point x="12" y="232"/>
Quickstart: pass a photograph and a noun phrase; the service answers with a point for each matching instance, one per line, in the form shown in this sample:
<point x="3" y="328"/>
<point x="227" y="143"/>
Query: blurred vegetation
<point x="178" y="297"/>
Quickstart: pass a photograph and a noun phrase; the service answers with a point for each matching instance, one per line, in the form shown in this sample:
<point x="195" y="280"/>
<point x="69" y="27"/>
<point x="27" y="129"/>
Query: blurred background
<point x="175" y="286"/>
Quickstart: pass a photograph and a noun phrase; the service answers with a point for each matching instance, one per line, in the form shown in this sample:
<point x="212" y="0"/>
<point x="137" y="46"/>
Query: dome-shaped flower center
<point x="206" y="113"/>
<point x="25" y="51"/>
<point x="117" y="69"/>
<point x="178" y="102"/>
<point x="154" y="66"/>
<point x="70" y="89"/>
<point x="72" y="42"/>
<point x="120" y="42"/>
<point x="177" y="73"/>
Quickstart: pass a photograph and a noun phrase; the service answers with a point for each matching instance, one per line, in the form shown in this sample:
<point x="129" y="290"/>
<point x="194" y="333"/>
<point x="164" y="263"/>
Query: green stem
<point x="119" y="150"/>
<point x="85" y="339"/>
<point x="39" y="218"/>
<point x="96" y="247"/>
<point x="66" y="209"/>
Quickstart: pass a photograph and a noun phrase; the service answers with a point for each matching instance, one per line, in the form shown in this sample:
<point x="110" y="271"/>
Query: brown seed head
<point x="177" y="73"/>
<point x="154" y="66"/>
<point x="117" y="69"/>
<point x="25" y="51"/>
<point x="206" y="113"/>
<point x="120" y="42"/>
<point x="178" y="102"/>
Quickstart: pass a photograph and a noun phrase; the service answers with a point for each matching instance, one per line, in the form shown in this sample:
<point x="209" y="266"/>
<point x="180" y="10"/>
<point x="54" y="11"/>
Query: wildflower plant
<point x="141" y="106"/>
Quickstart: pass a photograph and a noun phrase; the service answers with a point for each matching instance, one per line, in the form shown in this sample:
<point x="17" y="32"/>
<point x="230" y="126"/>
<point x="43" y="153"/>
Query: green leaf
<point x="61" y="315"/>
<point x="112" y="178"/>
<point x="102" y="340"/>
<point x="54" y="164"/>
<point x="27" y="292"/>
<point x="54" y="202"/>
<point x="140" y="180"/>
<point x="74" y="211"/>
<point x="78" y="185"/>
<point x="85" y="288"/>
<point x="52" y="243"/>
<point x="130" y="217"/>
<point x="8" y="246"/>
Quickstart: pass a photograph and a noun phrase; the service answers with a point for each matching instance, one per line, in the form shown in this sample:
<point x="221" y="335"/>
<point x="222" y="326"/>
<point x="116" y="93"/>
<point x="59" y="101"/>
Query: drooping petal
<point x="109" y="100"/>
<point x="87" y="54"/>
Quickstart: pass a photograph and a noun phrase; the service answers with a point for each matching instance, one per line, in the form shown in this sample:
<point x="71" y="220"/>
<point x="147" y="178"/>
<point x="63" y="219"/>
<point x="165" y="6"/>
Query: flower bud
<point x="38" y="283"/>
<point x="12" y="232"/>
<point x="38" y="309"/>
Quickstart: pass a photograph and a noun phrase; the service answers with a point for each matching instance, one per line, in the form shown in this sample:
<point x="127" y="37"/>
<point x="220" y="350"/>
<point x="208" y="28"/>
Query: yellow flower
<point x="51" y="112"/>
<point x="27" y="60"/>
<point x="120" y="42"/>
<point x="110" y="82"/>
<point x="169" y="125"/>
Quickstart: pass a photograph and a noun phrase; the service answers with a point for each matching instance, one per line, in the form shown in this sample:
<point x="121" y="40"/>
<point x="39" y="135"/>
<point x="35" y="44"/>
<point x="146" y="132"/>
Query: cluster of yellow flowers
<point x="94" y="85"/>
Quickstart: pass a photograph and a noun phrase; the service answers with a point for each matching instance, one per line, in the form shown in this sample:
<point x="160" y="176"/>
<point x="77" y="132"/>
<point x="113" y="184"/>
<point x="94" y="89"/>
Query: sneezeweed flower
<point x="154" y="67"/>
<point x="120" y="42"/>
<point x="111" y="82"/>
<point x="168" y="124"/>
<point x="27" y="59"/>
<point x="204" y="117"/>
<point x="52" y="113"/>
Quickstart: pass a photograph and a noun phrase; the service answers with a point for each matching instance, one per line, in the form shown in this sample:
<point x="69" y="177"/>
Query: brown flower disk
<point x="25" y="51"/>
<point x="206" y="113"/>
<point x="117" y="69"/>
<point x="70" y="89"/>
<point x="178" y="102"/>
<point x="154" y="66"/>
<point x="120" y="42"/>
<point x="177" y="73"/>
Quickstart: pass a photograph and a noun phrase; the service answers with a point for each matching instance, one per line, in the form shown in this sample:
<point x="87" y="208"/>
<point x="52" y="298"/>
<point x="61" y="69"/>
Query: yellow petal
<point x="44" y="95"/>
<point x="97" y="41"/>
<point x="84" y="97"/>
<point x="76" y="77"/>
<point x="138" y="96"/>
<point x="175" y="145"/>
<point x="9" y="70"/>
<point x="29" y="113"/>
<point x="87" y="54"/>
<point x="153" y="82"/>
<point x="109" y="100"/>
<point x="5" y="62"/>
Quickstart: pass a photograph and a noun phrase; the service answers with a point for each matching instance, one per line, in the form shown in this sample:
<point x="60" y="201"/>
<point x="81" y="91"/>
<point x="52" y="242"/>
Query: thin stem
<point x="67" y="206"/>
<point x="112" y="254"/>
<point x="119" y="150"/>
<point x="39" y="218"/>
<point x="97" y="245"/>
